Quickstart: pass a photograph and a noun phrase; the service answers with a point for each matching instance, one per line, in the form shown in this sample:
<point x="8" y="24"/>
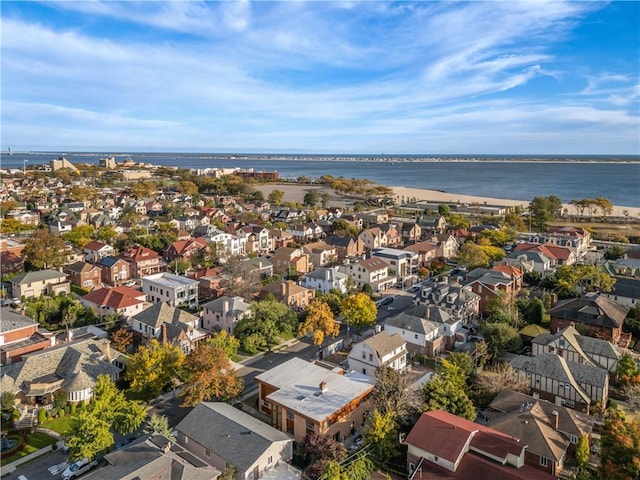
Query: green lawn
<point x="60" y="425"/>
<point x="35" y="441"/>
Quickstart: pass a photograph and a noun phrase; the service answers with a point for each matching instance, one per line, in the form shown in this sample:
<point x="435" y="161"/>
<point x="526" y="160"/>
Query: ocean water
<point x="518" y="178"/>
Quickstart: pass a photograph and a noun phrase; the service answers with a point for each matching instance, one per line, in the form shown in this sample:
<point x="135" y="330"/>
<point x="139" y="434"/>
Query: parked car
<point x="78" y="468"/>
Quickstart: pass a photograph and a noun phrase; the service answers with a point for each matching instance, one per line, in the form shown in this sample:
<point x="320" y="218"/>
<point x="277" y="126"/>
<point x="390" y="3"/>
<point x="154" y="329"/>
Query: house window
<point x="364" y="355"/>
<point x="371" y="357"/>
<point x="270" y="460"/>
<point x="207" y="453"/>
<point x="543" y="461"/>
<point x="289" y="416"/>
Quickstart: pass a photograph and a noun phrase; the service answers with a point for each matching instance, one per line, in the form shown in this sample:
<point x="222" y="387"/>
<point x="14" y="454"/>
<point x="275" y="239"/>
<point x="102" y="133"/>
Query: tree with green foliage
<point x="500" y="338"/>
<point x="228" y="343"/>
<point x="582" y="451"/>
<point x="471" y="255"/>
<point x="620" y="448"/>
<point x="381" y="433"/>
<point x="7" y="406"/>
<point x="533" y="311"/>
<point x="514" y="220"/>
<point x="543" y="210"/>
<point x="152" y="368"/>
<point x="92" y="429"/>
<point x="447" y="390"/>
<point x="106" y="234"/>
<point x="79" y="236"/>
<point x="12" y="225"/>
<point x="311" y="198"/>
<point x="359" y="311"/>
<point x="627" y="370"/>
<point x="333" y="298"/>
<point x="275" y="197"/>
<point x="179" y="266"/>
<point x="159" y="424"/>
<point x="268" y="319"/>
<point x="44" y="250"/>
<point x="614" y="252"/>
<point x="359" y="469"/>
<point x="444" y="209"/>
<point x="573" y="280"/>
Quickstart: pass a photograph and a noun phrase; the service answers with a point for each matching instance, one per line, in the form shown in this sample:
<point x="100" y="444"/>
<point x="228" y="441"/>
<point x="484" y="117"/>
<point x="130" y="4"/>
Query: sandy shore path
<point x="295" y="193"/>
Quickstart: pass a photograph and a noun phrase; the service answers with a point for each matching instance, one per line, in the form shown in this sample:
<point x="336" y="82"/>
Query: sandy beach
<point x="295" y="193"/>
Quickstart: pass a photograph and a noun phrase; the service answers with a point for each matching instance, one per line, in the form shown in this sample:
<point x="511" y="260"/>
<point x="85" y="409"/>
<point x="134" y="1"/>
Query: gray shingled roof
<point x="162" y="312"/>
<point x="12" y="320"/>
<point x="38" y="276"/>
<point x="144" y="458"/>
<point x="79" y="364"/>
<point x="592" y="310"/>
<point x="236" y="437"/>
<point x="384" y="344"/>
<point x="412" y="323"/>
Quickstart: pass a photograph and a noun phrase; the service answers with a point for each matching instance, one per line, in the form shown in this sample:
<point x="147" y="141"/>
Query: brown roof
<point x="373" y="264"/>
<point x="592" y="310"/>
<point x="139" y="253"/>
<point x="116" y="297"/>
<point x="446" y="435"/>
<point x="95" y="246"/>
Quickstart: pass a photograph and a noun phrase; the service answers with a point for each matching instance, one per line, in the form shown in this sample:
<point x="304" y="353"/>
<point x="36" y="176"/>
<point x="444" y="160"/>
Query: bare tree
<point x="502" y="377"/>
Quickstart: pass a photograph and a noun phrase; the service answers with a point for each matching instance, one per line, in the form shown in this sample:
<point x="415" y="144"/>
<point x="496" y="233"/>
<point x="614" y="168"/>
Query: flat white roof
<point x="299" y="388"/>
<point x="169" y="280"/>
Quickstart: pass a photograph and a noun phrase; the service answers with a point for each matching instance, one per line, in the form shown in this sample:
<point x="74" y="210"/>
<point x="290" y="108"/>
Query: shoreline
<point x="295" y="193"/>
<point x="438" y="196"/>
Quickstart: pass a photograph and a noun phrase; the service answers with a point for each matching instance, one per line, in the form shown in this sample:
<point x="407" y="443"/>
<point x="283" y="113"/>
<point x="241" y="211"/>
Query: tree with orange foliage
<point x="319" y="323"/>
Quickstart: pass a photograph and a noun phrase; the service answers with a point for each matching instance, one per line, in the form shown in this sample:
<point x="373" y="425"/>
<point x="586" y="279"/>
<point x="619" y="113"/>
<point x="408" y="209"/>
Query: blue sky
<point x="322" y="77"/>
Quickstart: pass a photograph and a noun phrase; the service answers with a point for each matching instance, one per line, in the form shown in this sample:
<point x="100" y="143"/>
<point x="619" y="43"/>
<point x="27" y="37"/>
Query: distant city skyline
<point x="322" y="77"/>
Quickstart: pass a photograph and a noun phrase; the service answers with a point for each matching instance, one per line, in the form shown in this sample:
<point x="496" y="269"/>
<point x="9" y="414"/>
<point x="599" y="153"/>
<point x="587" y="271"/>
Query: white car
<point x="79" y="467"/>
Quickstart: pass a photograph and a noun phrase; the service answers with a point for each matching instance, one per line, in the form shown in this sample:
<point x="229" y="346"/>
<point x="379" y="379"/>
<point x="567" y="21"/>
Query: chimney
<point x="323" y="387"/>
<point x="555" y="419"/>
<point x="166" y="447"/>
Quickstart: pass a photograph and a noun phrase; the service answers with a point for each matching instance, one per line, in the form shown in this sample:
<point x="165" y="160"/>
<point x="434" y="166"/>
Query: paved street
<point x="39" y="468"/>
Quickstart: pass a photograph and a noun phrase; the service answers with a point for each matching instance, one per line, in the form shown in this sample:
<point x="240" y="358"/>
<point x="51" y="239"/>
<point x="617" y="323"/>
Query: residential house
<point x="288" y="259"/>
<point x="422" y="336"/>
<point x="258" y="239"/>
<point x="572" y="346"/>
<point x="11" y="259"/>
<point x="410" y="232"/>
<point x="372" y="271"/>
<point x="72" y="367"/>
<point x="304" y="398"/>
<point x="210" y="282"/>
<point x="256" y="268"/>
<point x="444" y="446"/>
<point x="325" y="279"/>
<point x="289" y="293"/>
<point x="346" y="247"/>
<point x="489" y="285"/>
<point x="224" y="313"/>
<point x="577" y="239"/>
<point x="381" y="350"/>
<point x="174" y="289"/>
<point x="42" y="282"/>
<point x="447" y="245"/>
<point x="114" y="270"/>
<point x="143" y="261"/>
<point x="153" y="456"/>
<point x="393" y="235"/>
<point x="403" y="264"/>
<point x="281" y="238"/>
<point x="576" y="385"/>
<point x="19" y="335"/>
<point x="425" y="251"/>
<point x="120" y="300"/>
<point x="185" y="249"/>
<point x="251" y="447"/>
<point x="95" y="251"/>
<point x="25" y="217"/>
<point x="168" y="324"/>
<point x="84" y="275"/>
<point x="374" y="218"/>
<point x="558" y="255"/>
<point x="458" y="301"/>
<point x="305" y="232"/>
<point x="551" y="432"/>
<point x="602" y="317"/>
<point x="625" y="292"/>
<point x="373" y="238"/>
<point x="433" y="224"/>
<point x="321" y="254"/>
<point x="530" y="261"/>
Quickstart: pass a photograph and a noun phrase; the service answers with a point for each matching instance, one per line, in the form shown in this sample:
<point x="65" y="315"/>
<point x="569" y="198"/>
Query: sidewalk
<point x="11" y="467"/>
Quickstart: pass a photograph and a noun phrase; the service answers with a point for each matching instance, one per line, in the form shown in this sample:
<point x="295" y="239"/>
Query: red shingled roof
<point x="116" y="297"/>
